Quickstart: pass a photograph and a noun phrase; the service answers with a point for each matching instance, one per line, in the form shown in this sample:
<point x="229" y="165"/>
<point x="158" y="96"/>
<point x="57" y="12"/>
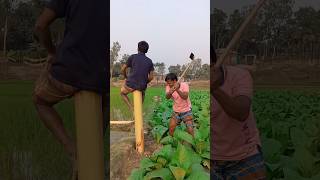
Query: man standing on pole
<point x="79" y="63"/>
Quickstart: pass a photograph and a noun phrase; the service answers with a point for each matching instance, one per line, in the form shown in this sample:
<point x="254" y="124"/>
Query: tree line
<point x="197" y="71"/>
<point x="278" y="31"/>
<point x="17" y="20"/>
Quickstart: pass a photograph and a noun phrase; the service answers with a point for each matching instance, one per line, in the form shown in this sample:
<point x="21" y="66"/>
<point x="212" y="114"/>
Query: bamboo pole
<point x="121" y="122"/>
<point x="240" y="31"/>
<point x="138" y="118"/>
<point x="88" y="109"/>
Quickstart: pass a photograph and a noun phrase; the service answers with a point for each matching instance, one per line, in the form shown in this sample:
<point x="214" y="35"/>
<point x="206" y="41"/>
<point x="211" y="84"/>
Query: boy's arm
<point x="42" y="31"/>
<point x="150" y="76"/>
<point x="237" y="107"/>
<point x="183" y="93"/>
<point x="169" y="94"/>
<point x="124" y="70"/>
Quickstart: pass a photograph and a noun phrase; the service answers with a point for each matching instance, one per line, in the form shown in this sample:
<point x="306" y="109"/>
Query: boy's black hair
<point x="143" y="46"/>
<point x="171" y="76"/>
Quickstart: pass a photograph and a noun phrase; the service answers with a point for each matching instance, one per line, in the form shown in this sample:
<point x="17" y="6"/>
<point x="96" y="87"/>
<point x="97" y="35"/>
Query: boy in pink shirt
<point x="179" y="93"/>
<point x="235" y="142"/>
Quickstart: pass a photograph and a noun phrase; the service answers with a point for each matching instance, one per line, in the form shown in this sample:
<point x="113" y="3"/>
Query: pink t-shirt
<point x="232" y="139"/>
<point x="179" y="104"/>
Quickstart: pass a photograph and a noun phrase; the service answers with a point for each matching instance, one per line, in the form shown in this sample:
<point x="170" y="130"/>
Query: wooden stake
<point x="88" y="109"/>
<point x="138" y="118"/>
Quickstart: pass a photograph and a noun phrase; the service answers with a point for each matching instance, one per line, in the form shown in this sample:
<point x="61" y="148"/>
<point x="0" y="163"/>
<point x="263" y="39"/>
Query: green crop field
<point x="27" y="149"/>
<point x="289" y="124"/>
<point x="120" y="111"/>
<point x="176" y="160"/>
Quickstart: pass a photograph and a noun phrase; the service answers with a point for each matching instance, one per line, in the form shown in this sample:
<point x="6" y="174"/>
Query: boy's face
<point x="171" y="83"/>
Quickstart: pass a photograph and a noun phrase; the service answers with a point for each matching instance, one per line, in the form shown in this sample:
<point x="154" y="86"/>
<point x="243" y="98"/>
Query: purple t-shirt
<point x="140" y="66"/>
<point x="82" y="59"/>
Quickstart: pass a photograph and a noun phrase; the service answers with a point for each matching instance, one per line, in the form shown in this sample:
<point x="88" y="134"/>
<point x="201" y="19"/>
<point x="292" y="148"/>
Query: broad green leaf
<point x="271" y="149"/>
<point x="304" y="160"/>
<point x="137" y="174"/>
<point x="166" y="151"/>
<point x="162" y="161"/>
<point x="163" y="173"/>
<point x="197" y="175"/>
<point x="182" y="157"/>
<point x="167" y="140"/>
<point x="201" y="146"/>
<point x="178" y="172"/>
<point x="182" y="135"/>
<point x="205" y="155"/>
<point x="146" y="163"/>
<point x="273" y="167"/>
<point x="299" y="138"/>
<point x="290" y="174"/>
<point x="288" y="162"/>
<point x="158" y="166"/>
<point x="158" y="131"/>
<point x="316" y="177"/>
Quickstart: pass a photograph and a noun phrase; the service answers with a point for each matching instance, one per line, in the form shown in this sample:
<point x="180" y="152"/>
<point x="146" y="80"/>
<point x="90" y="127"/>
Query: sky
<point x="173" y="28"/>
<point x="230" y="5"/>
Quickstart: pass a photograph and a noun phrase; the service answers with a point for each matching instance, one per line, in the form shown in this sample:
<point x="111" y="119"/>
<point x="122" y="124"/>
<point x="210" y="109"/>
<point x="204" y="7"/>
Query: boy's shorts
<point x="251" y="168"/>
<point x="50" y="90"/>
<point x="125" y="89"/>
<point x="186" y="117"/>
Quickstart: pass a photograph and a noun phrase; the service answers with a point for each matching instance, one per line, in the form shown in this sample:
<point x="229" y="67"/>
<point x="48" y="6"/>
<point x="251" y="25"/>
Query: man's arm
<point x="150" y="76"/>
<point x="182" y="93"/>
<point x="169" y="94"/>
<point x="124" y="71"/>
<point x="42" y="31"/>
<point x="237" y="107"/>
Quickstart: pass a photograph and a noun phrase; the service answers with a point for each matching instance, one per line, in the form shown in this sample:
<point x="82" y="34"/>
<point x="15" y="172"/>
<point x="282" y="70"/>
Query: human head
<point x="171" y="79"/>
<point x="143" y="47"/>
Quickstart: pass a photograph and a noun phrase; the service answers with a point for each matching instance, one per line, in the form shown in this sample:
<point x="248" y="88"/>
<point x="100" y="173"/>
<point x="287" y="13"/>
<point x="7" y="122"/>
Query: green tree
<point x="114" y="54"/>
<point x="218" y="26"/>
<point x="175" y="69"/>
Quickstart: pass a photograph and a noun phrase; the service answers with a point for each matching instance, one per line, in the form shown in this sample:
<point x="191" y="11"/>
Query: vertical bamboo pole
<point x="88" y="109"/>
<point x="138" y="118"/>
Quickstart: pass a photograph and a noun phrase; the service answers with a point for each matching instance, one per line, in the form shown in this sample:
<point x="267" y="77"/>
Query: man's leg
<point x="124" y="94"/>
<point x="173" y="124"/>
<point x="48" y="92"/>
<point x="188" y="120"/>
<point x="53" y="122"/>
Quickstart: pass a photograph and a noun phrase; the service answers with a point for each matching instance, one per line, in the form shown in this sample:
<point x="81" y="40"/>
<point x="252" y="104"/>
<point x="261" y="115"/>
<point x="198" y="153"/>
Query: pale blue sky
<point x="173" y="28"/>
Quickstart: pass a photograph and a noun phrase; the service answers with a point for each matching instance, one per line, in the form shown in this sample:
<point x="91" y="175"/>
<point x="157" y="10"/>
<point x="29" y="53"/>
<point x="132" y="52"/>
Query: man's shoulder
<point x="184" y="85"/>
<point x="237" y="71"/>
<point x="148" y="59"/>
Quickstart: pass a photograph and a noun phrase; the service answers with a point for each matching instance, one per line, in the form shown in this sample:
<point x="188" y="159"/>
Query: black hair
<point x="143" y="46"/>
<point x="171" y="76"/>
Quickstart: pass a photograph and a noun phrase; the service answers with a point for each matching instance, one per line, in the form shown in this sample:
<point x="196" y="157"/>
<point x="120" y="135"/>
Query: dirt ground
<point x="123" y="156"/>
